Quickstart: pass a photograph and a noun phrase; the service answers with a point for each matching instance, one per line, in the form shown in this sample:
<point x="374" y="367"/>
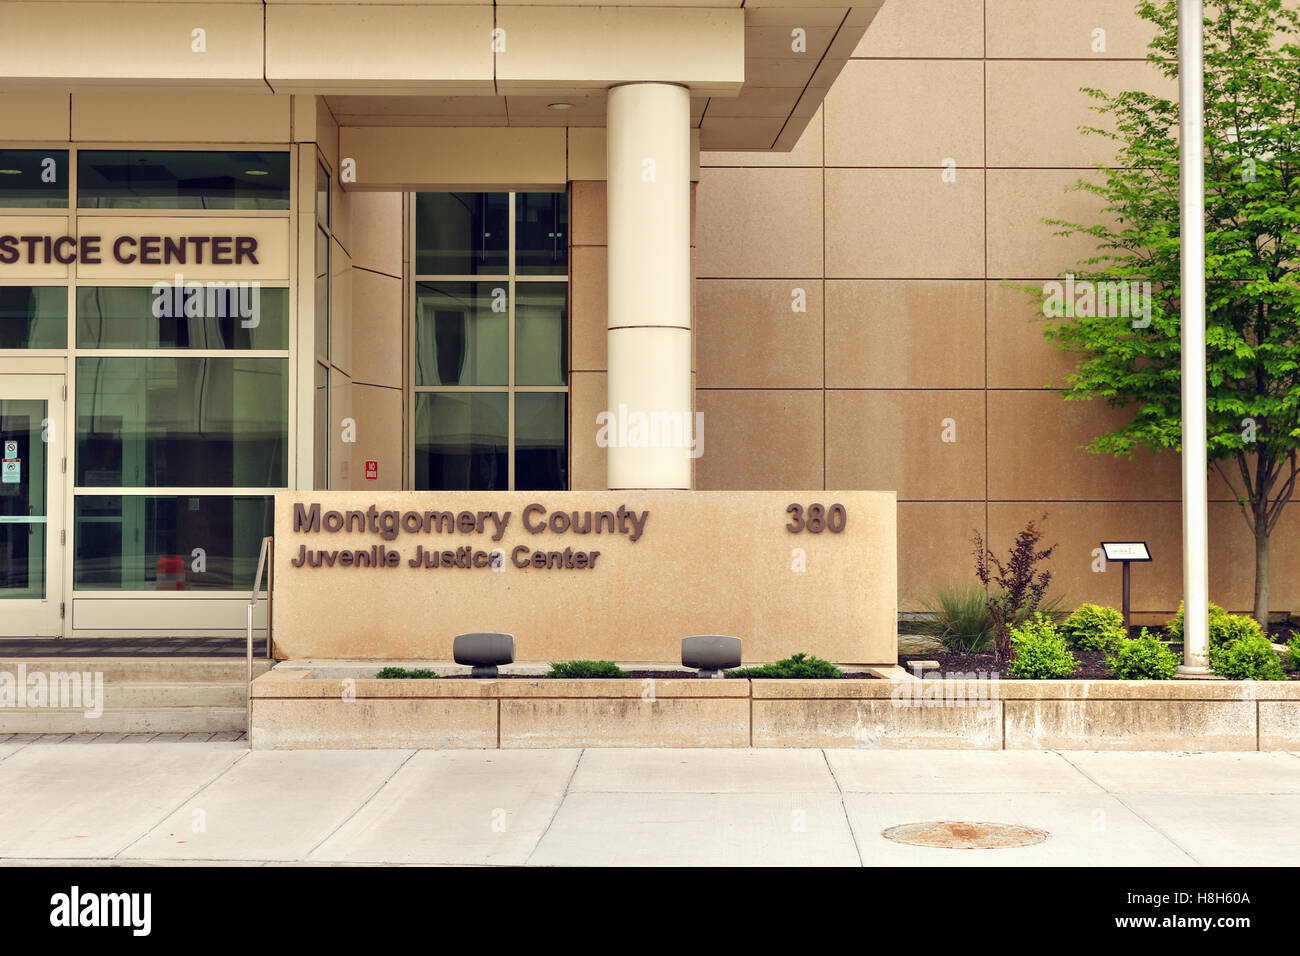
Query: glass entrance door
<point x="31" y="505"/>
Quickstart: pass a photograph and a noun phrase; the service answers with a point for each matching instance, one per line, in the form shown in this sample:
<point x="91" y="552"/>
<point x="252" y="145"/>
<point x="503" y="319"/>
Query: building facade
<point x="259" y="246"/>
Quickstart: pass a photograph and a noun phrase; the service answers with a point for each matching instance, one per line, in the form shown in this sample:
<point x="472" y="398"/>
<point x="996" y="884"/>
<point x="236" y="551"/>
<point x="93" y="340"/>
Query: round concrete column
<point x="648" y="164"/>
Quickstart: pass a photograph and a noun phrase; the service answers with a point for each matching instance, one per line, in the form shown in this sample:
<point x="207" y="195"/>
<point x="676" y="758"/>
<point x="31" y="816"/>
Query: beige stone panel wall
<point x="893" y="333"/>
<point x="377" y="232"/>
<point x="937" y="28"/>
<point x="872" y="112"/>
<point x="1078" y="528"/>
<point x="1019" y="356"/>
<point x="1020" y="244"/>
<point x="749" y="336"/>
<point x="615" y="722"/>
<point x="760" y="438"/>
<point x="193" y="116"/>
<point x="1232" y="560"/>
<point x="806" y="152"/>
<point x="35" y="117"/>
<point x="759" y="223"/>
<point x="379" y="48"/>
<point x="1036" y="109"/>
<point x="878" y="220"/>
<point x="85" y="44"/>
<point x="378" y="414"/>
<point x="344" y="461"/>
<point x="588" y="308"/>
<point x="407" y="158"/>
<point x="377" y="350"/>
<point x="875" y="725"/>
<point x="403" y="723"/>
<point x="1036" y="451"/>
<point x="934" y="539"/>
<point x="1050" y="29"/>
<point x="587" y="214"/>
<point x="587" y="398"/>
<point x="705" y="564"/>
<point x="894" y="438"/>
<point x="340" y="308"/>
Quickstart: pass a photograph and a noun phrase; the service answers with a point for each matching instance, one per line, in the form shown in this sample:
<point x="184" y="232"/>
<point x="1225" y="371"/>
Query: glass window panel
<point x="462" y="333"/>
<point x="541" y="333"/>
<point x="33" y="317"/>
<point x="322" y="297"/>
<point x="541" y="441"/>
<point x="542" y="234"/>
<point x="147" y="542"/>
<point x="181" y="179"/>
<point x="187" y="317"/>
<point x="34" y="178"/>
<point x="321" y="466"/>
<point x="461" y="441"/>
<point x="461" y="234"/>
<point x="152" y="422"/>
<point x="23" y="500"/>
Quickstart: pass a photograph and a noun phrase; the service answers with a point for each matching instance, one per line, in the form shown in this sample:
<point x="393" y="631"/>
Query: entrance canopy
<point x="756" y="70"/>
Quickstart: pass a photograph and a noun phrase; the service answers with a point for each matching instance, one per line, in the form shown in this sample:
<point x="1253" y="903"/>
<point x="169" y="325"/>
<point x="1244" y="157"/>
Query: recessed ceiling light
<point x="256" y="172"/>
<point x="11" y="172"/>
<point x="559" y="106"/>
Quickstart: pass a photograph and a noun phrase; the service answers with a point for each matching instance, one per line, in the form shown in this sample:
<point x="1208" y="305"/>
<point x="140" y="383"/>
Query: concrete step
<point x="127" y="720"/>
<point x="170" y="670"/>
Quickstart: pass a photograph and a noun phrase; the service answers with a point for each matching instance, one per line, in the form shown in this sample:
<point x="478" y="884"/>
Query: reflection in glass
<point x="152" y="422"/>
<point x="34" y="178"/>
<point x="462" y="332"/>
<point x="541" y="234"/>
<point x="33" y="317"/>
<point x="460" y="234"/>
<point x="541" y="333"/>
<point x="541" y="441"/>
<point x="23" y="504"/>
<point x="181" y="179"/>
<point x="118" y="317"/>
<point x="147" y="542"/>
<point x="461" y="441"/>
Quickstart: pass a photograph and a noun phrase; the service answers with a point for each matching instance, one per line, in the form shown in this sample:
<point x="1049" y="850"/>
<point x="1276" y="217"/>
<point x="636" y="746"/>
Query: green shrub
<point x="800" y="665"/>
<point x="1142" y="658"/>
<point x="1246" y="658"/>
<point x="586" y="669"/>
<point x="961" y="619"/>
<point x="1094" y="628"/>
<point x="419" y="673"/>
<point x="1223" y="626"/>
<point x="1293" y="652"/>
<point x="1039" y="651"/>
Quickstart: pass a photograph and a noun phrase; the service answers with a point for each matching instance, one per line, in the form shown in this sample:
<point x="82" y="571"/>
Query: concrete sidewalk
<point x="220" y="803"/>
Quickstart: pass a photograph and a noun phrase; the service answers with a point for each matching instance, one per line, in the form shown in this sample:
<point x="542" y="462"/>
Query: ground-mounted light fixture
<point x="711" y="654"/>
<point x="484" y="652"/>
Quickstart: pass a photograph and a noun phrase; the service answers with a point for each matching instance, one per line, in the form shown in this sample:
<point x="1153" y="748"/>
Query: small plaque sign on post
<point x="1126" y="552"/>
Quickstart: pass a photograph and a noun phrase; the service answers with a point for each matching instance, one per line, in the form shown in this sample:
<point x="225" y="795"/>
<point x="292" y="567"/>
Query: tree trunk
<point x="1261" y="574"/>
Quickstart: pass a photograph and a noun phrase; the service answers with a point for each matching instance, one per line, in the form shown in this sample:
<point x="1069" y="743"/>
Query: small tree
<point x="1018" y="585"/>
<point x="1252" y="246"/>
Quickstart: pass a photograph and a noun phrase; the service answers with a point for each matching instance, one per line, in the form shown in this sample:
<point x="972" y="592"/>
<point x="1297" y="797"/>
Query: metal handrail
<point x="267" y="550"/>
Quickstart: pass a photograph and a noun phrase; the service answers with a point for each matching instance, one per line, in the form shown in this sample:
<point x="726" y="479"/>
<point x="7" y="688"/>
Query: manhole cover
<point x="965" y="836"/>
